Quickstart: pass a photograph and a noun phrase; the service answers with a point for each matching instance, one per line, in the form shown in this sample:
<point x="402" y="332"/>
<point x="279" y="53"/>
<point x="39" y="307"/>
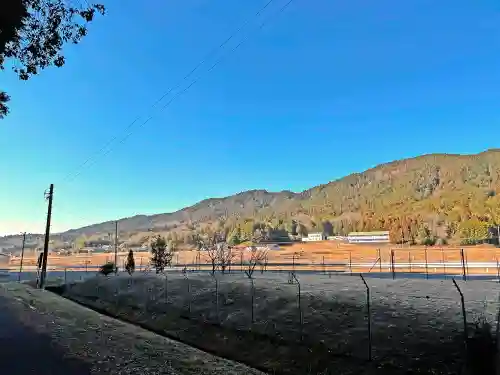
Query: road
<point x="42" y="333"/>
<point x="25" y="351"/>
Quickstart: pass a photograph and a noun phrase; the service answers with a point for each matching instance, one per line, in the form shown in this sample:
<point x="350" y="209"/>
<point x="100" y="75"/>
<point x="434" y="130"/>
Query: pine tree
<point x="130" y="264"/>
<point x="161" y="255"/>
<point x="235" y="237"/>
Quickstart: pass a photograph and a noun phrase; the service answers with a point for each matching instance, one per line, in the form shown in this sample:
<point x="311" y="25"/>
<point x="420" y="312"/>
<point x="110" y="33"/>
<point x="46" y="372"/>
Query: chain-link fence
<point x="410" y="322"/>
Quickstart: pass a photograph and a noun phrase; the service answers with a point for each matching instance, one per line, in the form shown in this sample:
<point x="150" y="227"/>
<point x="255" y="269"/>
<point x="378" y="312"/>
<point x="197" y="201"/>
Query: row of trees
<point x="408" y="229"/>
<point x="219" y="252"/>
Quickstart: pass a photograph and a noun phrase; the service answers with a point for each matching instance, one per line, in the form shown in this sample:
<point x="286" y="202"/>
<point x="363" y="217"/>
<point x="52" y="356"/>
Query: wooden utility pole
<point x="116" y="247"/>
<point x="22" y="257"/>
<point x="43" y="274"/>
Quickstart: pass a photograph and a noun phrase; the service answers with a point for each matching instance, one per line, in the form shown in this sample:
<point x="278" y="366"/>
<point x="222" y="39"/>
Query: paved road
<point x="24" y="351"/>
<point x="42" y="334"/>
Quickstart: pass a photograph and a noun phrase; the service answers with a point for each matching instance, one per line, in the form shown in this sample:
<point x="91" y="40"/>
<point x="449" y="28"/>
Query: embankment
<point x="415" y="325"/>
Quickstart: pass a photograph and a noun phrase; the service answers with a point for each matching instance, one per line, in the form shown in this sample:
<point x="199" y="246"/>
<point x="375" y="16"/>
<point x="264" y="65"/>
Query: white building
<point x="317" y="236"/>
<point x="368" y="237"/>
<point x="336" y="238"/>
<point x="265" y="247"/>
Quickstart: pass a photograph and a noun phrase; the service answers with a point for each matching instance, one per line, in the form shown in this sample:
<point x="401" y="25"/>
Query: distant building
<point x="97" y="243"/>
<point x="336" y="238"/>
<point x="317" y="236"/>
<point x="262" y="247"/>
<point x="368" y="237"/>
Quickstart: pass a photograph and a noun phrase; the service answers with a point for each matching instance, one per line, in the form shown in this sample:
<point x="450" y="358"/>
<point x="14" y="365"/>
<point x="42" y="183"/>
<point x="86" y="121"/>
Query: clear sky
<point x="325" y="89"/>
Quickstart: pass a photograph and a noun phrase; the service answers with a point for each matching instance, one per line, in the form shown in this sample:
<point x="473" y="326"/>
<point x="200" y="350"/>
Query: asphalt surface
<point x="24" y="351"/>
<point x="42" y="333"/>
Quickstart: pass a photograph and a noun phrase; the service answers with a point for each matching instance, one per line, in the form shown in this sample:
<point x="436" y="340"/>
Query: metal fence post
<point x="392" y="265"/>
<point x="216" y="297"/>
<point x="464" y="273"/>
<point x="189" y="292"/>
<point x="21" y="264"/>
<point x="301" y="316"/>
<point x="466" y="335"/>
<point x="379" y="260"/>
<point x="498" y="275"/>
<point x="65" y="276"/>
<point x="466" y="262"/>
<point x="350" y="262"/>
<point x="252" y="292"/>
<point x="369" y="318"/>
<point x="426" y="265"/>
<point x="444" y="263"/>
<point x="165" y="292"/>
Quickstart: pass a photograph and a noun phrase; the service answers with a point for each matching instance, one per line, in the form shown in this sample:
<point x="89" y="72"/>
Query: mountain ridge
<point x="438" y="190"/>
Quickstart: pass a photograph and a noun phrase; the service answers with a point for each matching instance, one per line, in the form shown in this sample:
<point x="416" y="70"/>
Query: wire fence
<point x="432" y="262"/>
<point x="404" y="321"/>
<point x="327" y="308"/>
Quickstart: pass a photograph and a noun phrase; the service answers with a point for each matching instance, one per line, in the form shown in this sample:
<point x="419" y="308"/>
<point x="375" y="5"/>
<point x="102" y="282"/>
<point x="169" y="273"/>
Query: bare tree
<point x="257" y="256"/>
<point x="213" y="256"/>
<point x="208" y="245"/>
<point x="225" y="255"/>
<point x="219" y="253"/>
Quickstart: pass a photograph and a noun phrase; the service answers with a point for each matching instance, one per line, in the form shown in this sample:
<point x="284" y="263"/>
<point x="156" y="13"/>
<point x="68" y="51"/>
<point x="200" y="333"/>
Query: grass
<point x="421" y="334"/>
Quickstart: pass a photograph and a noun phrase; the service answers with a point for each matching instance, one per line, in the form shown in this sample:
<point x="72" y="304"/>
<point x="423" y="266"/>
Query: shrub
<point x="107" y="268"/>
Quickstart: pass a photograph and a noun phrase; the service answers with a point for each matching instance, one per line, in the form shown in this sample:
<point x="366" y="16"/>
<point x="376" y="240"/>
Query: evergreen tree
<point x="130" y="264"/>
<point x="234" y="237"/>
<point x="161" y="255"/>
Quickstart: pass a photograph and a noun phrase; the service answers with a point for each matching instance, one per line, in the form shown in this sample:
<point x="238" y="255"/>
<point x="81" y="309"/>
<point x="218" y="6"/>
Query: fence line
<point x="220" y="304"/>
<point x="308" y="307"/>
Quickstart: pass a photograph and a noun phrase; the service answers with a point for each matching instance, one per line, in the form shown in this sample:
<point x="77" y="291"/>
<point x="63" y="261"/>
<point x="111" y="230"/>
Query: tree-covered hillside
<point x="429" y="199"/>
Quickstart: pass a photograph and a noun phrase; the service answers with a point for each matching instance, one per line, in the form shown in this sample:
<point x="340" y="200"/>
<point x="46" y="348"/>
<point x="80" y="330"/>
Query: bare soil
<point x="313" y="255"/>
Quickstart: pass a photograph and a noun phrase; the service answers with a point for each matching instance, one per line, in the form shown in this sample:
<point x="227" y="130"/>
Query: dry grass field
<point x="336" y="256"/>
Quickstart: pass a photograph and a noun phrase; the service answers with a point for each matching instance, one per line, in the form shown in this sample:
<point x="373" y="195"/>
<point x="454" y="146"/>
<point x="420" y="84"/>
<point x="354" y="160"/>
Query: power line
<point x="123" y="139"/>
<point x="72" y="176"/>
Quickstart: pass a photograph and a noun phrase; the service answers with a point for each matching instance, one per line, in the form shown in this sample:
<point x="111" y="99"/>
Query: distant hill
<point x="438" y="196"/>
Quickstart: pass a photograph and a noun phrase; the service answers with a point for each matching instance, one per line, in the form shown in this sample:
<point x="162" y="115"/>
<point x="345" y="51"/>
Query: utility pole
<point x="116" y="247"/>
<point x="43" y="274"/>
<point x="22" y="257"/>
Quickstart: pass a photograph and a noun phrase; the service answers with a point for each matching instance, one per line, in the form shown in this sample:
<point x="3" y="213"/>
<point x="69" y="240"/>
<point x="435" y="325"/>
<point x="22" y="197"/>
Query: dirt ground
<point x="319" y="256"/>
<point x="416" y="325"/>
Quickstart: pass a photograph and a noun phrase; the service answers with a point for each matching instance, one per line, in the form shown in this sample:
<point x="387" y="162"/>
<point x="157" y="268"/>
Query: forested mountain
<point x="437" y="197"/>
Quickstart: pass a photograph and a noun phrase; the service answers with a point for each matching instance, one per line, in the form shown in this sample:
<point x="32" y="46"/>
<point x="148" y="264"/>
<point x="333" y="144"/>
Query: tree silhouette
<point x="161" y="254"/>
<point x="130" y="264"/>
<point x="257" y="256"/>
<point x="4" y="110"/>
<point x="33" y="33"/>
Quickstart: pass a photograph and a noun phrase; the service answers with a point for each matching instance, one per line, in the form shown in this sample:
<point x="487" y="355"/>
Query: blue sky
<point x="325" y="89"/>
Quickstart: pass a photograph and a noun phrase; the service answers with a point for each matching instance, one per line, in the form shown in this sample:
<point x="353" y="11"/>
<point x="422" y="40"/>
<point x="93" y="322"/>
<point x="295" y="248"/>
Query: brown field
<point x="321" y="256"/>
